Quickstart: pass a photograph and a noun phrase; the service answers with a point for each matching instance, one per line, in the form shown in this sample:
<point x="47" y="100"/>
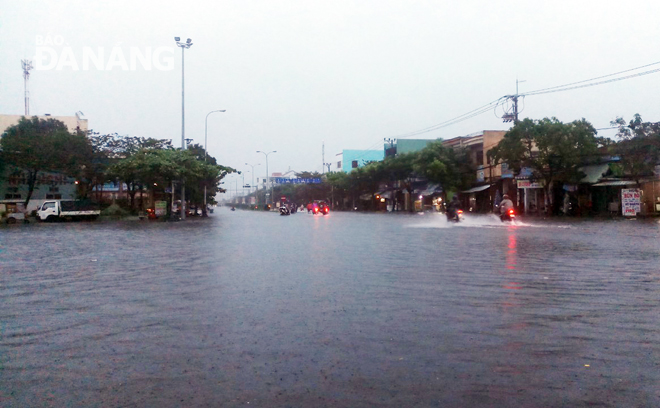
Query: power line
<point x="567" y="87"/>
<point x="494" y="104"/>
<point x="457" y="119"/>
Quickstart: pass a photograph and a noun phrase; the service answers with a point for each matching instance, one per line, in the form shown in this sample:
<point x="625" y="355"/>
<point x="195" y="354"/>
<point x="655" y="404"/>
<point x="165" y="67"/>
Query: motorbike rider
<point x="505" y="205"/>
<point x="453" y="206"/>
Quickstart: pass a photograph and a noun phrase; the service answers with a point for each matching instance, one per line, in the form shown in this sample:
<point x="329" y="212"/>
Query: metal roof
<point x="615" y="183"/>
<point x="477" y="189"/>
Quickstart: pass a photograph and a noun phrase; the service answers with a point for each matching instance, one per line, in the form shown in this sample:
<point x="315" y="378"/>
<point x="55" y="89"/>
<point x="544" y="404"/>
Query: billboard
<point x="631" y="201"/>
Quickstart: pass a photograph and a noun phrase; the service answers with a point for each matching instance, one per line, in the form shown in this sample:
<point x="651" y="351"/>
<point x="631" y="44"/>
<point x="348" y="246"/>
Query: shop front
<point x="531" y="196"/>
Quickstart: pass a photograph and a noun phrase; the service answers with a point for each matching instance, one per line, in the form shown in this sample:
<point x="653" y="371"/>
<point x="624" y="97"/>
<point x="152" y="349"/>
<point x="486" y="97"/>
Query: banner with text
<point x="631" y="201"/>
<point x="284" y="180"/>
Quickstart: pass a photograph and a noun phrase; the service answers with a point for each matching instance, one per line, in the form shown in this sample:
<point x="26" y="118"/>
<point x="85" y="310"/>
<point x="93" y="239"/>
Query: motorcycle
<point x="508" y="215"/>
<point x="455" y="216"/>
<point x="284" y="211"/>
<point x="321" y="209"/>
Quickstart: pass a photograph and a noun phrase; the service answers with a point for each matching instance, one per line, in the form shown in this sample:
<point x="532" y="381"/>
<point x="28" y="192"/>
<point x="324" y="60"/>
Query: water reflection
<point x="342" y="310"/>
<point x="512" y="253"/>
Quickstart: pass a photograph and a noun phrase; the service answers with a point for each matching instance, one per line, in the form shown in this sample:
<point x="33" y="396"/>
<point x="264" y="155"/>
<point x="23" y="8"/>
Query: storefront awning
<point x="477" y="189"/>
<point x="615" y="183"/>
<point x="431" y="189"/>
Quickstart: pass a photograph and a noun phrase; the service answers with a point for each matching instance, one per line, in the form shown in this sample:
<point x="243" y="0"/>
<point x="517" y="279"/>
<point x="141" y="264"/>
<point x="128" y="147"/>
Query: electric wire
<point x="568" y="88"/>
<point x="457" y="119"/>
<point x="500" y="101"/>
<point x="539" y="91"/>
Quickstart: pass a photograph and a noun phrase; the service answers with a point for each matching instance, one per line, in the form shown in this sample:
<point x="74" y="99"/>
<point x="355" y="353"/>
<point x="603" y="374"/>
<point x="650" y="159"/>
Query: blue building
<point x="348" y="160"/>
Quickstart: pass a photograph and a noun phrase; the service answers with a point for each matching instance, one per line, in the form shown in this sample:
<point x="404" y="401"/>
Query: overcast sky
<point x="293" y="74"/>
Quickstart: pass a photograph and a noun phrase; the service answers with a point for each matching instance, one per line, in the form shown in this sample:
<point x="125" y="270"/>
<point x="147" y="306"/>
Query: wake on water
<point x="437" y="220"/>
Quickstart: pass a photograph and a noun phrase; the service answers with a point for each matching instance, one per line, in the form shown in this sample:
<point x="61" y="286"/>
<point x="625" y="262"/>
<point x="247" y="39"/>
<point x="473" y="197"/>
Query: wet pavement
<point x="347" y="310"/>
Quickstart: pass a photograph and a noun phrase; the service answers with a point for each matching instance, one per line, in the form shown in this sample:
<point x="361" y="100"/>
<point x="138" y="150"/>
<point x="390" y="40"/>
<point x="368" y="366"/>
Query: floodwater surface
<point x="345" y="310"/>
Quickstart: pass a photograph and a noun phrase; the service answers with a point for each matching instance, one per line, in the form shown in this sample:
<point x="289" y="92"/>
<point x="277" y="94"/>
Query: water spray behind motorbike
<point x="455" y="216"/>
<point x="509" y="215"/>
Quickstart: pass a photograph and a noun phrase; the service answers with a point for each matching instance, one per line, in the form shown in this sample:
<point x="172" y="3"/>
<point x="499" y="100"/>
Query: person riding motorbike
<point x="505" y="206"/>
<point x="453" y="207"/>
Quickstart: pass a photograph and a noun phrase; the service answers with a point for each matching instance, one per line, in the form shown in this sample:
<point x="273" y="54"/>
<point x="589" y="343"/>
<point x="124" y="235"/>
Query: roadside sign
<point x="631" y="202"/>
<point x="284" y="180"/>
<point x="481" y="175"/>
<point x="530" y="184"/>
<point x="160" y="208"/>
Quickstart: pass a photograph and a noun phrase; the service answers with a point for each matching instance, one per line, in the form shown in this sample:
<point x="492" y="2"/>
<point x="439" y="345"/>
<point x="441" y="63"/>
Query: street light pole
<point x="183" y="46"/>
<point x="243" y="173"/>
<point x="206" y="128"/>
<point x="252" y="185"/>
<point x="267" y="174"/>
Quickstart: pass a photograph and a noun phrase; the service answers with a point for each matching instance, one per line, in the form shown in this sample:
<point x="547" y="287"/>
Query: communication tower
<point x="27" y="66"/>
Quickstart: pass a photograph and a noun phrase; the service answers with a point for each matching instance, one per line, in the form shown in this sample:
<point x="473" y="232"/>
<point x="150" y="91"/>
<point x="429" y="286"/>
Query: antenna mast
<point x="27" y="66"/>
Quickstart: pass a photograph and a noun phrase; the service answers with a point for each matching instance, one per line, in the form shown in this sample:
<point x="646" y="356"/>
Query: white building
<point x="73" y="123"/>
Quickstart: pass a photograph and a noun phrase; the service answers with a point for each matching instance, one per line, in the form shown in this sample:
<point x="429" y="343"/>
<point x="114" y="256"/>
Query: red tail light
<point x="460" y="211"/>
<point x="325" y="210"/>
<point x="510" y="212"/>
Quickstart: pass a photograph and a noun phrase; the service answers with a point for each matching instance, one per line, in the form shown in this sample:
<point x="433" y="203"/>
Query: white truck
<point x="60" y="210"/>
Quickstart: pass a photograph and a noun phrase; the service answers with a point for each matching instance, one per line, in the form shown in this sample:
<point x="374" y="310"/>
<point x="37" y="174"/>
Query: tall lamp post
<point x="252" y="185"/>
<point x="206" y="128"/>
<point x="183" y="46"/>
<point x="243" y="189"/>
<point x="267" y="174"/>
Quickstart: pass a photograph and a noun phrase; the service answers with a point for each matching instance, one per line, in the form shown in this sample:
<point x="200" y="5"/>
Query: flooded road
<point x="348" y="310"/>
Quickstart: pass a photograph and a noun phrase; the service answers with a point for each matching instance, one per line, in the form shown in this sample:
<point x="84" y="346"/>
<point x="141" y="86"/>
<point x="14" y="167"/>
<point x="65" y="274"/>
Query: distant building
<point x="348" y="160"/>
<point x="13" y="181"/>
<point x="73" y="123"/>
<point x="491" y="181"/>
<point x="290" y="174"/>
<point x="402" y="146"/>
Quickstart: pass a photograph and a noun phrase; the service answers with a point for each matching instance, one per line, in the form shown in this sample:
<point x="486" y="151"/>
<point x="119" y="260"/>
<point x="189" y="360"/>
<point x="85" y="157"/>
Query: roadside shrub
<point x="115" y="210"/>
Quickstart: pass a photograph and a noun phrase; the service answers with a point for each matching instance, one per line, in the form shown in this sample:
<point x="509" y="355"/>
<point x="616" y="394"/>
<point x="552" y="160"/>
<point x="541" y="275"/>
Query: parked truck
<point x="60" y="210"/>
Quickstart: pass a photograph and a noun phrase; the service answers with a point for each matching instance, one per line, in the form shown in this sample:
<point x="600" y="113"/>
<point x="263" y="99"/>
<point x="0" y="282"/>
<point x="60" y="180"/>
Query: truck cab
<point x="49" y="211"/>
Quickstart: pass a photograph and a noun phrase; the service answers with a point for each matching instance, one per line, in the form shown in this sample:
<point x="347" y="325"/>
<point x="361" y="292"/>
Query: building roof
<point x="73" y="123"/>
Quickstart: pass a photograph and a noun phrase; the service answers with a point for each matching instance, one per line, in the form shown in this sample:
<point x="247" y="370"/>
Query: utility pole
<point x="27" y="66"/>
<point x="391" y="148"/>
<point x="515" y="103"/>
<point x="323" y="157"/>
<point x="509" y="117"/>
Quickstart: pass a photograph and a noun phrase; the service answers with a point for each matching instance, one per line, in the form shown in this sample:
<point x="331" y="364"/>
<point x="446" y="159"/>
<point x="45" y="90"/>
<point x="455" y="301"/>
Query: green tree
<point x="399" y="171"/>
<point x="340" y="186"/>
<point x="124" y="155"/>
<point x="36" y="145"/>
<point x="551" y="149"/>
<point x="448" y="167"/>
<point x="160" y="167"/>
<point x="638" y="148"/>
